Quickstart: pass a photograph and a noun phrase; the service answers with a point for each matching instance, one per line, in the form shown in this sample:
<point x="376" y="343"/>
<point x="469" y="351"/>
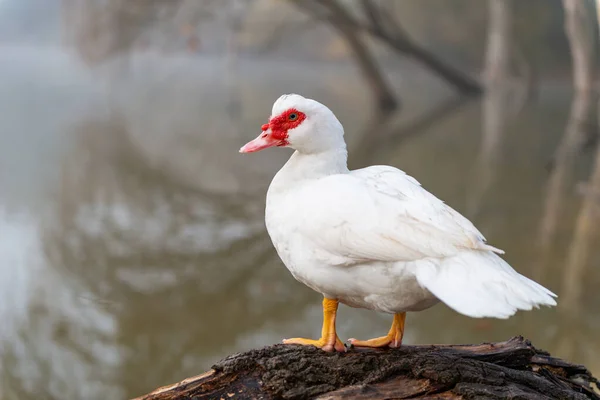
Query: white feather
<point x="382" y="214"/>
<point x="375" y="238"/>
<point x="481" y="284"/>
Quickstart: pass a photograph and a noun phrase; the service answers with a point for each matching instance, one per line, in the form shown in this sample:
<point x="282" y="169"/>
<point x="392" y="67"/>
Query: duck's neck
<point x="302" y="166"/>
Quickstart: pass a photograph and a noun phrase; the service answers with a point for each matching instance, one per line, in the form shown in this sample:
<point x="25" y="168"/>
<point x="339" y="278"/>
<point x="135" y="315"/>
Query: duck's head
<point x="303" y="124"/>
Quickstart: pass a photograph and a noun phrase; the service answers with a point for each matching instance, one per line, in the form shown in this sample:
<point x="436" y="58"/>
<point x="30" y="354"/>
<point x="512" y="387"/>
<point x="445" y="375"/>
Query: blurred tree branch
<point x="423" y="122"/>
<point x="377" y="20"/>
<point x="379" y="23"/>
<point x="100" y="30"/>
<point x="385" y="134"/>
<point x="343" y="22"/>
<point x="398" y="39"/>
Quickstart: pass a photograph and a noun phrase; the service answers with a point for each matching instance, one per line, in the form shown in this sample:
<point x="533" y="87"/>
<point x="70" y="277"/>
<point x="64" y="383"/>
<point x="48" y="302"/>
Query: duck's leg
<point x="392" y="339"/>
<point x="329" y="340"/>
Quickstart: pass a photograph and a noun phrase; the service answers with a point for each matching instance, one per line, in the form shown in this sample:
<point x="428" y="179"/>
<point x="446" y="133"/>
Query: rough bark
<point x="512" y="369"/>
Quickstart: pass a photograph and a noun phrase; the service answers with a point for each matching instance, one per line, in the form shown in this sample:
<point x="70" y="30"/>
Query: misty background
<point x="133" y="252"/>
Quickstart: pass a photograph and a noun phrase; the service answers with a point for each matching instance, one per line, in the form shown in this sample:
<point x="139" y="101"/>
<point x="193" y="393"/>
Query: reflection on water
<point x="132" y="246"/>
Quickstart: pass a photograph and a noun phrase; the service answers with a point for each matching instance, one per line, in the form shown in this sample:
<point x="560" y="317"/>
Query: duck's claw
<point x="323" y="344"/>
<point x="383" y="341"/>
<point x="392" y="339"/>
<point x="329" y="340"/>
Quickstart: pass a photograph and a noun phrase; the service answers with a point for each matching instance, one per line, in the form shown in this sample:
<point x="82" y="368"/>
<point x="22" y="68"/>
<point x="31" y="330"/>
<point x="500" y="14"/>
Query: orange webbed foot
<point x="384" y="341"/>
<point x="392" y="339"/>
<point x="322" y="343"/>
<point x="329" y="340"/>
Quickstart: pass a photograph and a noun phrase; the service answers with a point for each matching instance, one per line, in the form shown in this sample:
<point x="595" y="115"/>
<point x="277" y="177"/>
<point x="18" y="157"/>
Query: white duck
<point x="374" y="238"/>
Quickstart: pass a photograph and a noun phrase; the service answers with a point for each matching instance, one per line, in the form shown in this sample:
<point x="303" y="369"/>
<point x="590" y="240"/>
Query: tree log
<point x="513" y="369"/>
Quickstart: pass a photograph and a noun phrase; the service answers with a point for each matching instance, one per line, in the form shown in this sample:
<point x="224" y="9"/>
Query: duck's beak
<point x="263" y="141"/>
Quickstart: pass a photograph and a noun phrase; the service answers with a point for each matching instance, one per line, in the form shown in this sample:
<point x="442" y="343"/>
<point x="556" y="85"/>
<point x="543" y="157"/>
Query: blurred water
<point x="132" y="246"/>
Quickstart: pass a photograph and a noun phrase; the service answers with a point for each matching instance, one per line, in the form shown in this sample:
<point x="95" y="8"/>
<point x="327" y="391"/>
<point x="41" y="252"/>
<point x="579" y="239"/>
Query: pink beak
<point x="263" y="141"/>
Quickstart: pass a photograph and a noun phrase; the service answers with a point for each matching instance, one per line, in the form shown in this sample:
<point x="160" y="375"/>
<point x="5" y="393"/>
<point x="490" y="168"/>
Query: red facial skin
<point x="281" y="124"/>
<point x="276" y="132"/>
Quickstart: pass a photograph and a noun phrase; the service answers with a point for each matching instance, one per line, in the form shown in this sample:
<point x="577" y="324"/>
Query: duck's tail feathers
<point x="481" y="284"/>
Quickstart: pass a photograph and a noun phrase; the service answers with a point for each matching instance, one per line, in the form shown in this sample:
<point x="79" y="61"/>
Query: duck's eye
<point x="293" y="117"/>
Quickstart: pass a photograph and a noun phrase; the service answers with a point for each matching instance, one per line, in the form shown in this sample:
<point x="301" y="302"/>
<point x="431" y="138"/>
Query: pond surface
<point x="133" y="251"/>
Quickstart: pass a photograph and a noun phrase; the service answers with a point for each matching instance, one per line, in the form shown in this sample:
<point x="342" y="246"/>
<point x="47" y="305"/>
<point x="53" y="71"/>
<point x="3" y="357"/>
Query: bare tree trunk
<point x="499" y="45"/>
<point x="578" y="30"/>
<point x="497" y="101"/>
<point x="497" y="73"/>
<point x="236" y="13"/>
<point x="584" y="242"/>
<point x="528" y="70"/>
<point x="586" y="233"/>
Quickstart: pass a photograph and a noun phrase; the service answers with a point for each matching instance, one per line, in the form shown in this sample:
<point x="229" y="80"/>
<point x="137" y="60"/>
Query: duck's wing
<point x="382" y="214"/>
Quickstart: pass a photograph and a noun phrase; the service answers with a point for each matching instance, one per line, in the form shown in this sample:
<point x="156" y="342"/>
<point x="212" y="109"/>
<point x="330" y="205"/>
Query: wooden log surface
<point x="506" y="370"/>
